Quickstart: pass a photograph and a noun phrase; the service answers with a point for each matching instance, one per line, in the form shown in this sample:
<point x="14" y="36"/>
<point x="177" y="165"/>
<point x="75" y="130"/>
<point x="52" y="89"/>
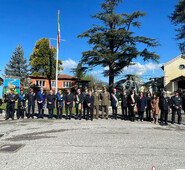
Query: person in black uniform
<point x="79" y="99"/>
<point x="11" y="98"/>
<point x="51" y="103"/>
<point x="41" y="97"/>
<point x="164" y="105"/>
<point x="114" y="102"/>
<point x="176" y="102"/>
<point x="90" y="105"/>
<point x="59" y="104"/>
<point x="85" y="93"/>
<point x="69" y="103"/>
<point x="124" y="104"/>
<point x="21" y="104"/>
<point x="148" y="106"/>
<point x="31" y="97"/>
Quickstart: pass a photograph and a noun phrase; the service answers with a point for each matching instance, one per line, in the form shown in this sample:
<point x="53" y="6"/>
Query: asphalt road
<point x="98" y="145"/>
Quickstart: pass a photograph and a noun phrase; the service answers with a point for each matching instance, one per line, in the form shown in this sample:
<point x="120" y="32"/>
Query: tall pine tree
<point x="114" y="44"/>
<point x="178" y="19"/>
<point x="18" y="66"/>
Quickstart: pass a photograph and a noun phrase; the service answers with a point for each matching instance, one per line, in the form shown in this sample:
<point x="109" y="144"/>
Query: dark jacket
<point x="141" y="104"/>
<point x="176" y="101"/>
<point x="11" y="98"/>
<point x="84" y="95"/>
<point x="164" y="103"/>
<point x="130" y="100"/>
<point x="51" y="98"/>
<point x="31" y="97"/>
<point x="90" y="99"/>
<point x="69" y="98"/>
<point x="81" y="99"/>
<point x="59" y="102"/>
<point x="21" y="100"/>
<point x="44" y="96"/>
<point x="148" y="102"/>
<point x="114" y="103"/>
<point x="124" y="100"/>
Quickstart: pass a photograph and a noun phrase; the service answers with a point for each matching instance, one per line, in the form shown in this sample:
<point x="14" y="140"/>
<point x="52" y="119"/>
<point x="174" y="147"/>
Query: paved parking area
<point x="81" y="145"/>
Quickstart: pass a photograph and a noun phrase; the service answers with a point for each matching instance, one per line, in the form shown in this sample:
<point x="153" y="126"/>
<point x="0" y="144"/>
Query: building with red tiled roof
<point x="64" y="82"/>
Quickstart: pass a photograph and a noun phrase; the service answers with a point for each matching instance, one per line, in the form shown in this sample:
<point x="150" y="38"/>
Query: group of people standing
<point x="88" y="104"/>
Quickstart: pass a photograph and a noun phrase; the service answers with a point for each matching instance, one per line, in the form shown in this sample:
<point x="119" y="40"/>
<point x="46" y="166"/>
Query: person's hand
<point x="68" y="103"/>
<point x="77" y="102"/>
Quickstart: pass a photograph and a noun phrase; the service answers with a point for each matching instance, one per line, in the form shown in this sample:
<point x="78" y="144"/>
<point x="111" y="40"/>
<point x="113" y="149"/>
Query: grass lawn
<point x="3" y="107"/>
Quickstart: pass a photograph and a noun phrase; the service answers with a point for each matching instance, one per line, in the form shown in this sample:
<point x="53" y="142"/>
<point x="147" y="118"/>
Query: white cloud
<point x="106" y="68"/>
<point x="68" y="64"/>
<point x="96" y="72"/>
<point x="140" y="69"/>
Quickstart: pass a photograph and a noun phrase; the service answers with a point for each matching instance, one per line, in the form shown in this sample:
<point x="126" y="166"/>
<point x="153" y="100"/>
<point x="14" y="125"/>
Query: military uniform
<point x="31" y="97"/>
<point x="96" y="104"/>
<point x="59" y="104"/>
<point x="90" y="100"/>
<point x="21" y="105"/>
<point x="69" y="99"/>
<point x="41" y="97"/>
<point x="124" y="104"/>
<point x="11" y="98"/>
<point x="114" y="104"/>
<point x="80" y="99"/>
<point x="164" y="105"/>
<point x="51" y="104"/>
<point x="176" y="102"/>
<point x="105" y="98"/>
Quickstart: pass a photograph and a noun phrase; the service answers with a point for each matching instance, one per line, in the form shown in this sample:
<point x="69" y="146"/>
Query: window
<point x="67" y="84"/>
<point x="40" y="83"/>
<point x="53" y="84"/>
<point x="182" y="66"/>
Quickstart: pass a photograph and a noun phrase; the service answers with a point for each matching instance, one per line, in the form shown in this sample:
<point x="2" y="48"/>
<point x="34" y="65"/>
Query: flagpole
<point x="56" y="69"/>
<point x="56" y="88"/>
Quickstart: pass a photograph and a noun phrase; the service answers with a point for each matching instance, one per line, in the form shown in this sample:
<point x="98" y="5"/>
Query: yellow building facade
<point x="174" y="74"/>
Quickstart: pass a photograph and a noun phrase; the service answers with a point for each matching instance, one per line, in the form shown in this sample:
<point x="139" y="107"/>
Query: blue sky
<point x="26" y="21"/>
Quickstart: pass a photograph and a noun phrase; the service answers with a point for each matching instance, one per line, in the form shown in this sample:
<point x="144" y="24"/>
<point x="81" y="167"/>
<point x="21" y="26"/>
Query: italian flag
<point x="115" y="98"/>
<point x="79" y="105"/>
<point x="59" y="29"/>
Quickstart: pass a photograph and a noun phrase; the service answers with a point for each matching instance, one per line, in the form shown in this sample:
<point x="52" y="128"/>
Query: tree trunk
<point x="111" y="78"/>
<point x="50" y="84"/>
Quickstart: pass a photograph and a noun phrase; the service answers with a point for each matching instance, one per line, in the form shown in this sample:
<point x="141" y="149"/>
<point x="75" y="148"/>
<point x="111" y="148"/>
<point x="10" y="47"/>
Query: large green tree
<point x="113" y="43"/>
<point x="18" y="66"/>
<point x="79" y="71"/>
<point x="43" y="61"/>
<point x="178" y="19"/>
